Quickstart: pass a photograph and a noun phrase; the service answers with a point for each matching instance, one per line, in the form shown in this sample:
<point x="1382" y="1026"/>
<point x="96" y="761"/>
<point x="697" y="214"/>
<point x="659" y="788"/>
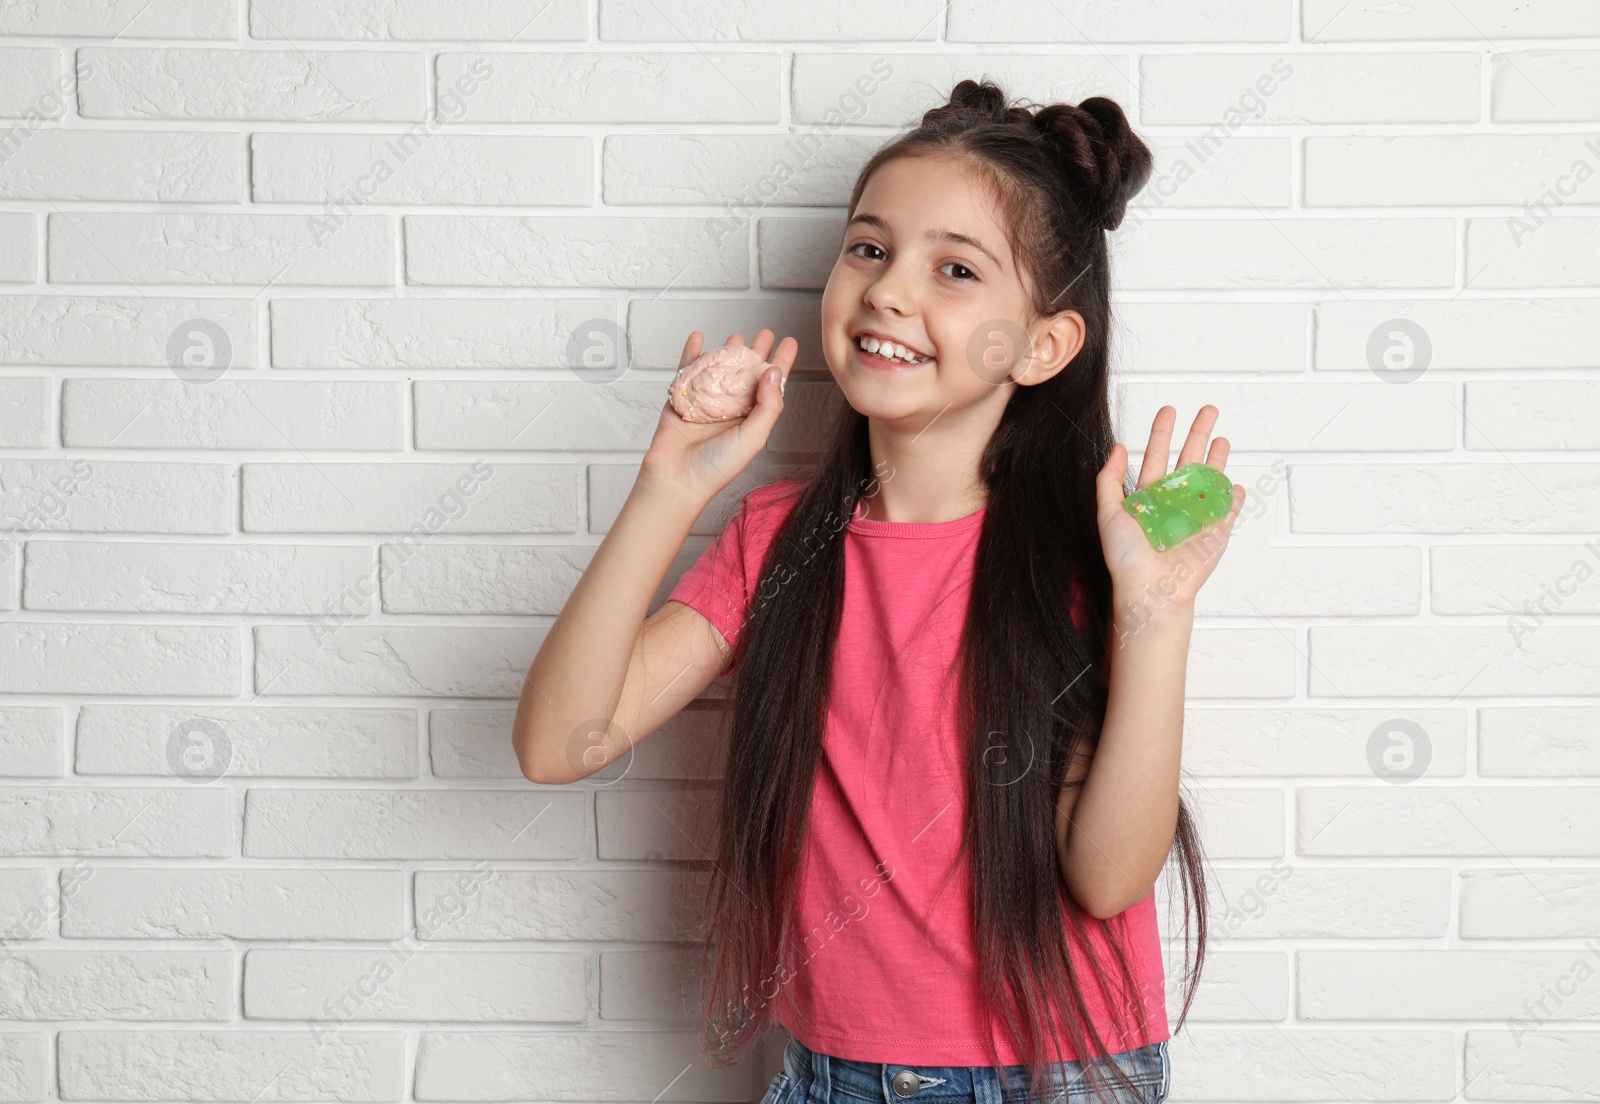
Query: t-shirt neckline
<point x="877" y="527"/>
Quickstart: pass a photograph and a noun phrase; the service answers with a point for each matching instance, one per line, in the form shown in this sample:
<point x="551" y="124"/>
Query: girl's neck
<point x="923" y="478"/>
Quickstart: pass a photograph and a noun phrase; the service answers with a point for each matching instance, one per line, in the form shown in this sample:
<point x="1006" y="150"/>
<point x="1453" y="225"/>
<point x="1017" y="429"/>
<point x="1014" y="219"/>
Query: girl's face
<point x="927" y="262"/>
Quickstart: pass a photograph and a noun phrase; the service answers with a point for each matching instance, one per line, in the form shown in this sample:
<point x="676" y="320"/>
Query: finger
<point x="757" y="425"/>
<point x="1233" y="515"/>
<point x="1155" y="452"/>
<point x="1219" y="454"/>
<point x="691" y="349"/>
<point x="1238" y="502"/>
<point x="763" y="343"/>
<point x="1226" y="522"/>
<point x="1194" y="446"/>
<point x="784" y="356"/>
<point x="734" y="339"/>
<point x="1108" y="484"/>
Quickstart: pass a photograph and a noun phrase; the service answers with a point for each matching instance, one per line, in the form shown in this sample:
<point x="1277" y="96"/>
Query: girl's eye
<point x="969" y="278"/>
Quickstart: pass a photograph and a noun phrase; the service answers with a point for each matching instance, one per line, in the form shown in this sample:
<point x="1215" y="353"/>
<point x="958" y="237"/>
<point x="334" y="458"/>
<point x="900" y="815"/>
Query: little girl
<point x="957" y="662"/>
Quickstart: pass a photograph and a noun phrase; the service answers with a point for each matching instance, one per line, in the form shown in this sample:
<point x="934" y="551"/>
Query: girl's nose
<point x="893" y="288"/>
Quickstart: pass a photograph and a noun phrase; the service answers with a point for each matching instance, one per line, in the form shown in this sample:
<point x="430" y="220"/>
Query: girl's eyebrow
<point x="932" y="235"/>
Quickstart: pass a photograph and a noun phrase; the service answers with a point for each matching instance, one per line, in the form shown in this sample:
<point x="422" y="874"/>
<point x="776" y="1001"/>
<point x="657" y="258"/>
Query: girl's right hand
<point x="701" y="458"/>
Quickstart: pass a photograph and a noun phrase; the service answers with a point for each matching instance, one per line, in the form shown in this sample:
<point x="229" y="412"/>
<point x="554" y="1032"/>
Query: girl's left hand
<point x="1139" y="573"/>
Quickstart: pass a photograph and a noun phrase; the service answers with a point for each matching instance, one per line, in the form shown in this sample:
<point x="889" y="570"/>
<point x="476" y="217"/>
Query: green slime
<point x="1178" y="505"/>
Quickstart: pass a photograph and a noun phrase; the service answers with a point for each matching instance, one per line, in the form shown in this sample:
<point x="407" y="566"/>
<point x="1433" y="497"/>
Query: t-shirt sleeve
<point x="716" y="584"/>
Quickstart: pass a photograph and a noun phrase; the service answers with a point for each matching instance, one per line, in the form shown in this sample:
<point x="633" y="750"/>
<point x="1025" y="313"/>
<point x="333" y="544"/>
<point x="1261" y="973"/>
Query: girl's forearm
<point x="582" y="665"/>
<point x="1127" y="811"/>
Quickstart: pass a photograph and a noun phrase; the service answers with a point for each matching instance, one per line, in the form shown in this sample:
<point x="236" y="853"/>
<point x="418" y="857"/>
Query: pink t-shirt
<point x="887" y="969"/>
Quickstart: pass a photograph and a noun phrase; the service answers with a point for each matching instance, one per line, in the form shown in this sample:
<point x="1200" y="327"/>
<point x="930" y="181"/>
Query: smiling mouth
<point x="873" y="360"/>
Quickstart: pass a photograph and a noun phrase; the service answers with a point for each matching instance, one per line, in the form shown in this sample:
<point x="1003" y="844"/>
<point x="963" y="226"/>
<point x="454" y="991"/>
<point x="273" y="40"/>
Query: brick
<point x="1501" y="1064"/>
<point x="1461" y="333"/>
<point x="332" y="657"/>
<point x="136" y="331"/>
<point x="232" y="1065"/>
<point x="737" y="174"/>
<point x="1469" y="20"/>
<point x="1459" y="498"/>
<point x="1265" y="252"/>
<point x="1438" y="821"/>
<point x="413" y="824"/>
<point x="586" y="1065"/>
<point x="1320" y="741"/>
<point x="119" y="985"/>
<point x="169" y="577"/>
<point x="1213" y="169"/>
<point x="1529" y="904"/>
<point x="1529" y="581"/>
<point x="658" y="328"/>
<point x="437" y="332"/>
<point x="1041" y="21"/>
<point x="1291" y="900"/>
<point x="27" y="1059"/>
<point x="31" y="741"/>
<point x="1264" y="1061"/>
<point x="88" y="248"/>
<point x="1544" y="86"/>
<point x="260" y="741"/>
<point x="385" y="20"/>
<point x="49" y="657"/>
<point x="298" y="85"/>
<point x="486" y="986"/>
<point x="1537" y="741"/>
<point x="726" y="21"/>
<point x="421" y="499"/>
<point x="481" y="578"/>
<point x="1415" y="984"/>
<point x="132" y="166"/>
<point x="476" y="743"/>
<point x="1440" y="170"/>
<point x="130" y="821"/>
<point x="1301" y="88"/>
<point x="218" y="903"/>
<point x="650" y="985"/>
<point x="1366" y="416"/>
<point x="889" y="88"/>
<point x="422" y="166"/>
<point x="117" y="496"/>
<point x="684" y="86"/>
<point x="1250" y="986"/>
<point x="285" y="415"/>
<point x="33" y="83"/>
<point x="25" y="412"/>
<point x="19" y="248"/>
<point x="579" y="905"/>
<point x="1533" y="249"/>
<point x="27" y="904"/>
<point x="207" y="19"/>
<point x="583" y="250"/>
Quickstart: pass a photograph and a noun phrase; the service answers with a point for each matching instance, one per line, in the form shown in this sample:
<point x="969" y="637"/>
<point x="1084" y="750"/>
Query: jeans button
<point x="905" y="1083"/>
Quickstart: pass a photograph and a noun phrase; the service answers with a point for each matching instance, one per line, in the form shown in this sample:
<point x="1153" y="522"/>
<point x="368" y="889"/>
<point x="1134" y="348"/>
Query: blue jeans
<point x="810" y="1077"/>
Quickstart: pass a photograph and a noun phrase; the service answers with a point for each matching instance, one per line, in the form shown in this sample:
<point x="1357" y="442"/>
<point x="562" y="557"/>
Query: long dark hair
<point x="1063" y="176"/>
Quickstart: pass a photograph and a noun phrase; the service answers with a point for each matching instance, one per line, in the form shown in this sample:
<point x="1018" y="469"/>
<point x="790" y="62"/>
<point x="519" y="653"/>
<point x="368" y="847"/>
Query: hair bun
<point x="971" y="99"/>
<point x="1097" y="145"/>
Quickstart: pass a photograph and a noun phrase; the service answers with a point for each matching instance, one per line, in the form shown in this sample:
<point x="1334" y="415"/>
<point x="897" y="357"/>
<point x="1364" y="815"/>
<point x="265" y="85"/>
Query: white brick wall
<point x="295" y="471"/>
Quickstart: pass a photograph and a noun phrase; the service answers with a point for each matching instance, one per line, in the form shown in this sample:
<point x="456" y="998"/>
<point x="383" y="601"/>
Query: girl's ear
<point x="1054" y="346"/>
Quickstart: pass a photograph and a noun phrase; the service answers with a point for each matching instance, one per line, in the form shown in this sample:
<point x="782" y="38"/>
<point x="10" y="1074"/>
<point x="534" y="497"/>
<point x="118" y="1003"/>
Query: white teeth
<point x="890" y="350"/>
